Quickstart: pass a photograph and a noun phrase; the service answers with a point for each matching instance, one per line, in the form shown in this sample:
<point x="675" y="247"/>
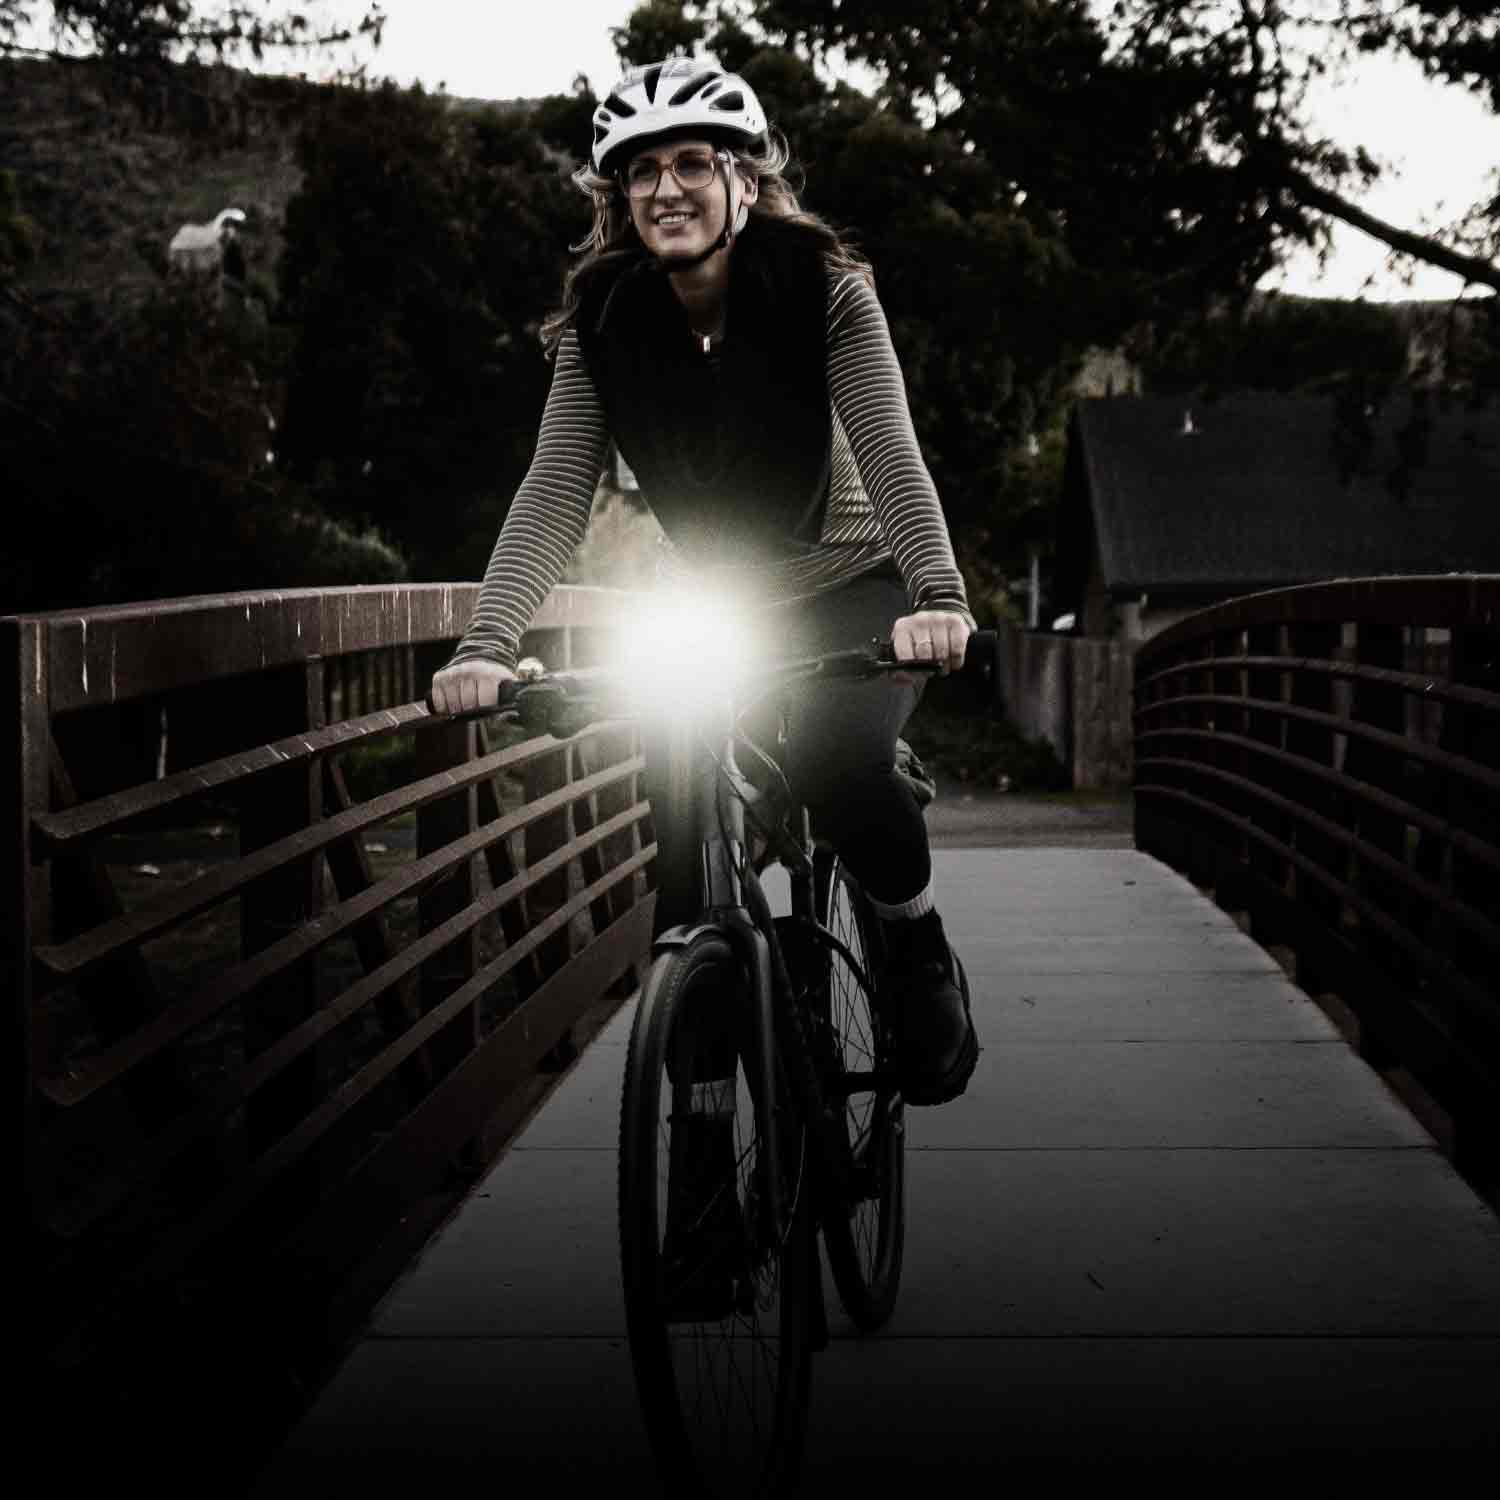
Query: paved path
<point x="968" y="817"/>
<point x="1175" y="1221"/>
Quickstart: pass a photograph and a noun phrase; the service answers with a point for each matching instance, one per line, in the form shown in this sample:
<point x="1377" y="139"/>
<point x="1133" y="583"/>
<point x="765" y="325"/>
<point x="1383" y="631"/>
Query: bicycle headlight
<point x="684" y="649"/>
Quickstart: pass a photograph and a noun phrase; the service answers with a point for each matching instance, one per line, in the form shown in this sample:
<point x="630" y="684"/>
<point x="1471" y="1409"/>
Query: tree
<point x="157" y="31"/>
<point x="422" y="252"/>
<point x="1283" y="344"/>
<point x="138" y="408"/>
<point x="135" y="443"/>
<point x="1199" y="109"/>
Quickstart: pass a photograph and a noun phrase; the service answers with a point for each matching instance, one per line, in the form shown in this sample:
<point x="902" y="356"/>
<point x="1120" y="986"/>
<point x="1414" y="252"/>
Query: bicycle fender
<point x="681" y="936"/>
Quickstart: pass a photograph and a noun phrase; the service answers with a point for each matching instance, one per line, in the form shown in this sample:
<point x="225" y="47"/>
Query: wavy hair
<point x="612" y="243"/>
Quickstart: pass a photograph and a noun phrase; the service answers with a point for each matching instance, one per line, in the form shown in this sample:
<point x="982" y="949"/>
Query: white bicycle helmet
<point x="684" y="93"/>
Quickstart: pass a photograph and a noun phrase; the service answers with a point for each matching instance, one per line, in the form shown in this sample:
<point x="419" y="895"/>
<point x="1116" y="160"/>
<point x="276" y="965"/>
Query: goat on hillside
<point x="200" y="247"/>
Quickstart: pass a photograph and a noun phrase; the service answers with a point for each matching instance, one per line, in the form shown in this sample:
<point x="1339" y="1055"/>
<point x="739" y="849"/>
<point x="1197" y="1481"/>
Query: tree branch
<point x="1420" y="247"/>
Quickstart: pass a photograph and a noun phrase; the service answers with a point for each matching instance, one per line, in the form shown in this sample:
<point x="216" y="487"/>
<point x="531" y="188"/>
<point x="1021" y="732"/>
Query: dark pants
<point x="839" y="756"/>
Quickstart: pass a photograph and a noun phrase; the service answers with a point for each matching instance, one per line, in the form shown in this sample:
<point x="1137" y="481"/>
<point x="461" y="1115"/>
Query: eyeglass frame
<point x="719" y="153"/>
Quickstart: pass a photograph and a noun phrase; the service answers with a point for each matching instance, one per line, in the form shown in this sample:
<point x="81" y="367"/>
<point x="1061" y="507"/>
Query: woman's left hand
<point x="936" y="635"/>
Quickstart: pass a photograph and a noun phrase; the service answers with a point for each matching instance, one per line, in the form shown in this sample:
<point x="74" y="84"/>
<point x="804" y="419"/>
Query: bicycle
<point x="760" y="1103"/>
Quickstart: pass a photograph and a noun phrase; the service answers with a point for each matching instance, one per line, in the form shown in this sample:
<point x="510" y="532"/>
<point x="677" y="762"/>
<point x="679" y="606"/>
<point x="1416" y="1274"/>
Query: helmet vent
<point x="733" y="101"/>
<point x="653" y="77"/>
<point x="619" y="106"/>
<point x="690" y="88"/>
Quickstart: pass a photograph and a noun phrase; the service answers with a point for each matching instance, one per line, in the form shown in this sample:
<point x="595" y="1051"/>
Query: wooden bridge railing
<point x="1327" y="759"/>
<point x="285" y="954"/>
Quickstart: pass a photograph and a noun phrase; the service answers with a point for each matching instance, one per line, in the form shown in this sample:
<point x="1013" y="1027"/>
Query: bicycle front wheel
<point x="716" y="1293"/>
<point x="866" y="1243"/>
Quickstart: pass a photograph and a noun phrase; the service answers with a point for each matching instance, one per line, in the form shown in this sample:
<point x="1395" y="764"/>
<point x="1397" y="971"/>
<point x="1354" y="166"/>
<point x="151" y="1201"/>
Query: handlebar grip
<point x="510" y="691"/>
<point x="981" y="658"/>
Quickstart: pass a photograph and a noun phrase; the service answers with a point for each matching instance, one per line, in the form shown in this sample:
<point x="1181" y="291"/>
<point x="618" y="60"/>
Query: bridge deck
<point x="1175" y="1218"/>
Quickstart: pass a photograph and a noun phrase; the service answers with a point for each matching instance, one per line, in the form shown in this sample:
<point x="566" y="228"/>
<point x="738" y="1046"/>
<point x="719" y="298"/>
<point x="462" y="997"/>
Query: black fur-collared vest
<point x="734" y="465"/>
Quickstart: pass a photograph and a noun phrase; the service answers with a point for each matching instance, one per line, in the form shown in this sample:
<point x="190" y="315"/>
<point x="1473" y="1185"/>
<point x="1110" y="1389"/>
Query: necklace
<point x="708" y="338"/>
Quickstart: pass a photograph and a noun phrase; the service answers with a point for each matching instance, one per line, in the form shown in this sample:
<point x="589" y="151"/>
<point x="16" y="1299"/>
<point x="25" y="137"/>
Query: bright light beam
<point x="685" y="649"/>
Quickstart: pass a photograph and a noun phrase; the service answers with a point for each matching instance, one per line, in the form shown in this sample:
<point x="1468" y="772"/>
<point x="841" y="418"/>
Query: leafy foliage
<point x="174" y="30"/>
<point x="421" y="255"/>
<point x="139" y="458"/>
<point x="139" y="406"/>
<point x="1174" y="140"/>
<point x="1282" y="344"/>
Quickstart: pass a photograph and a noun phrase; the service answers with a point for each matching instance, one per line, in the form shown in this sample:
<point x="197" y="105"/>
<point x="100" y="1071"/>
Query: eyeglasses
<point x="693" y="168"/>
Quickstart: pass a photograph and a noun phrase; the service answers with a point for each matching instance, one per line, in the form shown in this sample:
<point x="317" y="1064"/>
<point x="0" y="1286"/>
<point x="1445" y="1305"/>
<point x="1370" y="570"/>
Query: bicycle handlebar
<point x="565" y="703"/>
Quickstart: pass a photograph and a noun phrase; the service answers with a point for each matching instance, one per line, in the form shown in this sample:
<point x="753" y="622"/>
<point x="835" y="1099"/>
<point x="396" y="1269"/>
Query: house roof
<point x="1263" y="490"/>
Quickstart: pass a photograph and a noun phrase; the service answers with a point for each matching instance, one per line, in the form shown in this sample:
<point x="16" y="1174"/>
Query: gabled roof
<point x="1255" y="495"/>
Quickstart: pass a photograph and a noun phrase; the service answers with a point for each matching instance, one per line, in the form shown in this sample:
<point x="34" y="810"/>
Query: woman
<point x="735" y="351"/>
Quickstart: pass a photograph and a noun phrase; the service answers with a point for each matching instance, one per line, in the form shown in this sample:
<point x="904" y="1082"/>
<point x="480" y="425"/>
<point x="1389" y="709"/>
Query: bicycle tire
<point x="723" y="1397"/>
<point x="866" y="1245"/>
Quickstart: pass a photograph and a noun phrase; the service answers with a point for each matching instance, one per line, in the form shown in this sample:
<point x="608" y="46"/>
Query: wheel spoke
<point x="730" y="1385"/>
<point x="864" y="1253"/>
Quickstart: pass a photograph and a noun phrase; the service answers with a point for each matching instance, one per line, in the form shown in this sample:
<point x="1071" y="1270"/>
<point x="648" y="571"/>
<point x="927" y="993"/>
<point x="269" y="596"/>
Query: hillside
<point x="108" y="173"/>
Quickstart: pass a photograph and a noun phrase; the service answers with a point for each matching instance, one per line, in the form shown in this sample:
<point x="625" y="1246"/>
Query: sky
<point x="1439" y="142"/>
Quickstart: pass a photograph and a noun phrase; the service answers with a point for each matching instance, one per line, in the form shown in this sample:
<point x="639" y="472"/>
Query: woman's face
<point x="674" y="220"/>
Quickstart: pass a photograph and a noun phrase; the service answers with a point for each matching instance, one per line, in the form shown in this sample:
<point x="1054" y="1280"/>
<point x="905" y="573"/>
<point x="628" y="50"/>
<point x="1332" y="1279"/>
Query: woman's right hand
<point x="468" y="686"/>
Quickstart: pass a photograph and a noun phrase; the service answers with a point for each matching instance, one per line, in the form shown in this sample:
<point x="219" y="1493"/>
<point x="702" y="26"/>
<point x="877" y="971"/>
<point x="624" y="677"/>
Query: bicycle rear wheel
<point x="716" y="1301"/>
<point x="865" y="1246"/>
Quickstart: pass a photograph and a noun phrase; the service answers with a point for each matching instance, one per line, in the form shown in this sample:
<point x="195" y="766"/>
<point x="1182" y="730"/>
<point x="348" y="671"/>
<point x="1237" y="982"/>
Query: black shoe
<point x="703" y="1246"/>
<point x="926" y="995"/>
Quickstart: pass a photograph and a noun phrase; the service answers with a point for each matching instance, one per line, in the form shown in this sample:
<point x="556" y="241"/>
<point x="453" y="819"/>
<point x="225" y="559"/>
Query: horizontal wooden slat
<point x="276" y="958"/>
<point x="101" y="1196"/>
<point x="1442" y="600"/>
<point x="117" y="653"/>
<point x="1442" y="760"/>
<point x="70" y="959"/>
<point x="177" y="1246"/>
<point x="1459" y="985"/>
<point x="1361" y="791"/>
<point x="1420" y="684"/>
<point x="62" y="832"/>
<point x="397" y="1170"/>
<point x="1480" y="925"/>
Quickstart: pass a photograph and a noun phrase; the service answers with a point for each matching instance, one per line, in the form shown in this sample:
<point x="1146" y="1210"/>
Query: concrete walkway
<point x="1174" y="1223"/>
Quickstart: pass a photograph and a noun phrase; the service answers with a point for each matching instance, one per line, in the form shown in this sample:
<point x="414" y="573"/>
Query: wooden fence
<point x="1074" y="693"/>
<point x="287" y="957"/>
<point x="1327" y="759"/>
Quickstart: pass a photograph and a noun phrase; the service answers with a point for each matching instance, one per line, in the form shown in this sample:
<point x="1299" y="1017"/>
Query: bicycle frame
<point x="709" y="793"/>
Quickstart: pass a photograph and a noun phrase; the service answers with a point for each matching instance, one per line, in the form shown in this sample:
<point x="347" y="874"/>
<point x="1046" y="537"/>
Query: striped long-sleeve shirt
<point x="882" y="503"/>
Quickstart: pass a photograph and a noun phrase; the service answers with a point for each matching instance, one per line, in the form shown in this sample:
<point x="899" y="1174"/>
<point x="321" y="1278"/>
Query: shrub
<point x="982" y="749"/>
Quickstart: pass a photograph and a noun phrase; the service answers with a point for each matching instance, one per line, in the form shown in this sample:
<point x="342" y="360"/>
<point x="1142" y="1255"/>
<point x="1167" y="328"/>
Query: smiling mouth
<point x="670" y="221"/>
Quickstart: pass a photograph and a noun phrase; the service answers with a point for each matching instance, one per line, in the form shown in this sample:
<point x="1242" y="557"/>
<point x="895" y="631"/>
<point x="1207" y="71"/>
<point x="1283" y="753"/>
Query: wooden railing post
<point x="1383" y="706"/>
<point x="23" y="890"/>
<point x="272" y="805"/>
<point x="1318" y="640"/>
<point x="1269" y="886"/>
<point x="1475" y="662"/>
<point x="546" y="835"/>
<point x="440" y="823"/>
